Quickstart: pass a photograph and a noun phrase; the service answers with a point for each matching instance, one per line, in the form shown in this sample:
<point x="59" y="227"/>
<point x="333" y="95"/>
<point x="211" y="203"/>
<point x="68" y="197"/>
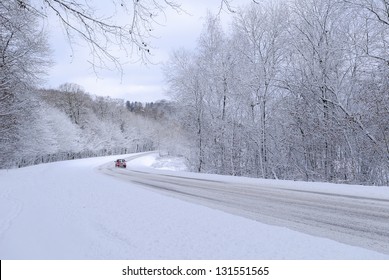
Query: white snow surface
<point x="69" y="210"/>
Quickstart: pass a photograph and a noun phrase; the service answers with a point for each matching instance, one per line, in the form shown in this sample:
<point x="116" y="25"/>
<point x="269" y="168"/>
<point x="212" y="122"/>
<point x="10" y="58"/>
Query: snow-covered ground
<point x="69" y="210"/>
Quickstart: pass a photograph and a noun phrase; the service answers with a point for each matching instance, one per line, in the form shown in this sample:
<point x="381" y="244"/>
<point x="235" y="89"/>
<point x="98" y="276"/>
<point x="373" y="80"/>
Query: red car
<point x="120" y="163"/>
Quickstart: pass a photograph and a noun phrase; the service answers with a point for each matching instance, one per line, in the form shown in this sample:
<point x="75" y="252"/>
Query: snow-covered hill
<point x="69" y="210"/>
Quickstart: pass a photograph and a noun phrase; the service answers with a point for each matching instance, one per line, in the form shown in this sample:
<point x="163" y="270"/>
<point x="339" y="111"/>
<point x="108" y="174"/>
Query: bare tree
<point x="23" y="59"/>
<point x="184" y="79"/>
<point x="124" y="25"/>
<point x="24" y="50"/>
<point x="260" y="35"/>
<point x="74" y="102"/>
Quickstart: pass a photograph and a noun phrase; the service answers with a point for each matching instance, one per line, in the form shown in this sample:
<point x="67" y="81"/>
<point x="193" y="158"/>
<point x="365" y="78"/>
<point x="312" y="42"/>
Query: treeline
<point x="293" y="90"/>
<point x="156" y="110"/>
<point x="68" y="123"/>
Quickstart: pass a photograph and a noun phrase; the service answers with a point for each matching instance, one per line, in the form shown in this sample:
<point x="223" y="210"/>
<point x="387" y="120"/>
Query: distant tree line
<point x="156" y="110"/>
<point x="68" y="123"/>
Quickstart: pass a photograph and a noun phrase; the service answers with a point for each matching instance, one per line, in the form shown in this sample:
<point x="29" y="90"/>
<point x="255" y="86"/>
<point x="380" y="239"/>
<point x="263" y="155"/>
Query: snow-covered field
<point x="69" y="210"/>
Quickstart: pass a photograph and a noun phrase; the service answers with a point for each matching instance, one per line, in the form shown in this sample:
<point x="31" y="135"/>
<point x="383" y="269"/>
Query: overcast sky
<point x="143" y="83"/>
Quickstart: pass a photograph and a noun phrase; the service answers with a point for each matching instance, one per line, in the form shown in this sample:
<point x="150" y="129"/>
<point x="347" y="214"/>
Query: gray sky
<point x="143" y="83"/>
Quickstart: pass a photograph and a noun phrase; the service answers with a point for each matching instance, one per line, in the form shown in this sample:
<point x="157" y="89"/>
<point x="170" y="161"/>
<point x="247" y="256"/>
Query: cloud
<point x="139" y="82"/>
<point x="142" y="92"/>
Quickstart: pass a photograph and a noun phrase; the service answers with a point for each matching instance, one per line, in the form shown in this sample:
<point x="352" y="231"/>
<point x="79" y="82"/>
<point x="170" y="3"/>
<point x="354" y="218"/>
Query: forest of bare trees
<point x="68" y="123"/>
<point x="292" y="90"/>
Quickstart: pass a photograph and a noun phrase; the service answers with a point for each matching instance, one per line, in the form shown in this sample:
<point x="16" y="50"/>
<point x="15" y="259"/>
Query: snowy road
<point x="70" y="210"/>
<point x="350" y="219"/>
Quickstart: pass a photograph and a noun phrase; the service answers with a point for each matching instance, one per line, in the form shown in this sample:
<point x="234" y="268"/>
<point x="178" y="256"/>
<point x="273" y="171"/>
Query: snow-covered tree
<point x="296" y="90"/>
<point x="23" y="58"/>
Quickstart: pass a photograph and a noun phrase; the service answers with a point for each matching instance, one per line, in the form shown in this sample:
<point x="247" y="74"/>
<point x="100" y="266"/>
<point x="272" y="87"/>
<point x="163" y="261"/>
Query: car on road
<point x="120" y="163"/>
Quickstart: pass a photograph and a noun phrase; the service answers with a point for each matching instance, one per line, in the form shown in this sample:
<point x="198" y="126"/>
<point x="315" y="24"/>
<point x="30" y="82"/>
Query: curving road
<point x="354" y="220"/>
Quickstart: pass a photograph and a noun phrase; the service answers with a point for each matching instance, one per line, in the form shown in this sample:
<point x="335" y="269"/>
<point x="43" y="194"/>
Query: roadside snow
<point x="68" y="210"/>
<point x="171" y="165"/>
<point x="159" y="162"/>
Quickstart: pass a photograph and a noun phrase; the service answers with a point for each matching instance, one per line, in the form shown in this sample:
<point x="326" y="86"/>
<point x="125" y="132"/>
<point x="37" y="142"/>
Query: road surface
<point x="353" y="220"/>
